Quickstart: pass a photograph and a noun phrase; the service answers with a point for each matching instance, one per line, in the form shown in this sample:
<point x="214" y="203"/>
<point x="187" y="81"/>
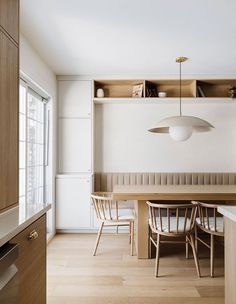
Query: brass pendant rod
<point x="180" y="60"/>
<point x="180" y="90"/>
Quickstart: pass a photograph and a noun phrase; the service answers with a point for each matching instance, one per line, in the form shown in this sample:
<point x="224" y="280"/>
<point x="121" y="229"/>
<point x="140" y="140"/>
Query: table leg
<point x="230" y="261"/>
<point x="141" y="229"/>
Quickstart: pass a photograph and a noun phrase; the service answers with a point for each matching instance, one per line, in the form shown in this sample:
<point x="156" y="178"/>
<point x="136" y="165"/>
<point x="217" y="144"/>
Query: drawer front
<point x="32" y="262"/>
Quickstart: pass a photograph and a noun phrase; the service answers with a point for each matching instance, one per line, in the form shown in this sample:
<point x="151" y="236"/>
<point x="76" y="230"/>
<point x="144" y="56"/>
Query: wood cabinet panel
<point x="32" y="263"/>
<point x="9" y="17"/>
<point x="9" y="87"/>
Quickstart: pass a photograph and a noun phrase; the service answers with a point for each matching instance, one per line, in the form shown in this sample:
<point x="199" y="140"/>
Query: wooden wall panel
<point x="9" y="17"/>
<point x="9" y="87"/>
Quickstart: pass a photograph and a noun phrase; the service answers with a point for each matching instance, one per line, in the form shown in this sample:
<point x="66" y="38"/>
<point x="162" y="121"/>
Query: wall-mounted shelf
<point x="166" y="100"/>
<point x="193" y="90"/>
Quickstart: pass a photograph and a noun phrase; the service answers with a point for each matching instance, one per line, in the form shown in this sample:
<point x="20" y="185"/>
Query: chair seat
<point x="124" y="217"/>
<point x="173" y="225"/>
<point x="211" y="227"/>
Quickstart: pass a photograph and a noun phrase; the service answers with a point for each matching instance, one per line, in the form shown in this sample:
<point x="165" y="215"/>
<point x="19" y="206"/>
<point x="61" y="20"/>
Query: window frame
<point x="29" y="88"/>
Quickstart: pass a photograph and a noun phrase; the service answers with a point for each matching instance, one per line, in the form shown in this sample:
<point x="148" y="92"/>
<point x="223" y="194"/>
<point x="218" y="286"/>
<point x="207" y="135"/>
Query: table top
<point x="228" y="211"/>
<point x="175" y="192"/>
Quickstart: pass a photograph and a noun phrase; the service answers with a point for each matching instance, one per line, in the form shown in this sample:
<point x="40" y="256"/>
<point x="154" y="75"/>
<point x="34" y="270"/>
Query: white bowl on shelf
<point x="162" y="94"/>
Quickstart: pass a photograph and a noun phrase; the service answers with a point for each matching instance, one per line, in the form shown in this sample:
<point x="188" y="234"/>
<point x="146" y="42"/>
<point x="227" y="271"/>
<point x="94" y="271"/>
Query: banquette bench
<point x="106" y="180"/>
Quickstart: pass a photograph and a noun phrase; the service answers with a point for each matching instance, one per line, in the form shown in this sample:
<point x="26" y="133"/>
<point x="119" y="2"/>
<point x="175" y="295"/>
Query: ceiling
<point x="132" y="36"/>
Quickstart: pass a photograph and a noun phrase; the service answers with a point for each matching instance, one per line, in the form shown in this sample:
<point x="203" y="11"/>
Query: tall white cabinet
<point x="73" y="206"/>
<point x="75" y="157"/>
<point x="75" y="145"/>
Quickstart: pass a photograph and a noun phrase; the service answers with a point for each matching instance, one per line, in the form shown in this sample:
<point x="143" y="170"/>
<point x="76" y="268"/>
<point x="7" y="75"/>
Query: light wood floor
<point x="114" y="277"/>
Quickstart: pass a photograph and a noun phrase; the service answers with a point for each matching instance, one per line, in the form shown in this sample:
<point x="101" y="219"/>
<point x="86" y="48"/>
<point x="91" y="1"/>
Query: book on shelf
<point x="137" y="90"/>
<point x="151" y="91"/>
<point x="200" y="92"/>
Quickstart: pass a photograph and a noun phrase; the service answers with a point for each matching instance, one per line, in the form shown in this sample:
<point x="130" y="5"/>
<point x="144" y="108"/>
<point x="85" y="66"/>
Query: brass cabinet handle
<point x="33" y="235"/>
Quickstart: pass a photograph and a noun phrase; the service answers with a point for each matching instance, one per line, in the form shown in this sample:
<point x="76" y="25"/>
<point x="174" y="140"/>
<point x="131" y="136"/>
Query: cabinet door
<point x="73" y="202"/>
<point x="9" y="17"/>
<point x="75" y="145"/>
<point x="9" y="86"/>
<point x="75" y="98"/>
<point x="31" y="263"/>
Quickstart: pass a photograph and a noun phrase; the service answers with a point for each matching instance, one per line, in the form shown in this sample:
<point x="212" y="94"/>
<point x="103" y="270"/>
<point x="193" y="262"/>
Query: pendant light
<point x="181" y="127"/>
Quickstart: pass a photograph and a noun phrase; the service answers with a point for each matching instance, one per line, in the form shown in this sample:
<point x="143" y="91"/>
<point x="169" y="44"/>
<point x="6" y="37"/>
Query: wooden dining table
<point x="143" y="193"/>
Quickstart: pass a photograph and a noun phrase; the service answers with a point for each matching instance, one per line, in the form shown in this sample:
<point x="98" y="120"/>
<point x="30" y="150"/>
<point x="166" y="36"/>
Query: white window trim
<point x="26" y="82"/>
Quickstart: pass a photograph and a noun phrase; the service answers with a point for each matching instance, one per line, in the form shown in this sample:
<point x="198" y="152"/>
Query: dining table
<point x="140" y="194"/>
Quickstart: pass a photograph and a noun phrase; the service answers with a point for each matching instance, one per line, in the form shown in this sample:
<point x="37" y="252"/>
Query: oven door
<point x="9" y="274"/>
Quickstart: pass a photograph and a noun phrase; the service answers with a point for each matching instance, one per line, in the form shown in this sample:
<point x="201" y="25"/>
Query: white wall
<point x="34" y="66"/>
<point x="36" y="69"/>
<point x="124" y="145"/>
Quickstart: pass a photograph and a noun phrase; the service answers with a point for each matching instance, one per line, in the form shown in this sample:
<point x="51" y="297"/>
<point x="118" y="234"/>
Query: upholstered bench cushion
<point x="105" y="181"/>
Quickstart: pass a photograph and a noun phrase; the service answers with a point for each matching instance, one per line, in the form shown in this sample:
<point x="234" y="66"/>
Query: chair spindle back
<point x="172" y="219"/>
<point x="209" y="217"/>
<point x="106" y="209"/>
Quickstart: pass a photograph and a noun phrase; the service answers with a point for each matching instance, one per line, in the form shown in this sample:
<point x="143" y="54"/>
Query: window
<point x="32" y="152"/>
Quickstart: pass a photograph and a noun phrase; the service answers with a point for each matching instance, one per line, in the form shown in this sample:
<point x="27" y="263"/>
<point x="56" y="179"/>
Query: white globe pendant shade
<point x="180" y="133"/>
<point x="181" y="128"/>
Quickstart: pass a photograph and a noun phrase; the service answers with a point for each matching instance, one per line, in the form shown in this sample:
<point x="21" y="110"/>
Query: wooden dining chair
<point x="110" y="214"/>
<point x="176" y="221"/>
<point x="210" y="221"/>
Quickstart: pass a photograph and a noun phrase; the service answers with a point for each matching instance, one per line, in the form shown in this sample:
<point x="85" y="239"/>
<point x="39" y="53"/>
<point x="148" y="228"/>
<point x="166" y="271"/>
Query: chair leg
<point x="132" y="238"/>
<point x="195" y="255"/>
<point x="186" y="248"/>
<point x="130" y="232"/>
<point x="196" y="240"/>
<point x="117" y="229"/>
<point x="157" y="255"/>
<point x="212" y="255"/>
<point x="149" y="243"/>
<point x="98" y="239"/>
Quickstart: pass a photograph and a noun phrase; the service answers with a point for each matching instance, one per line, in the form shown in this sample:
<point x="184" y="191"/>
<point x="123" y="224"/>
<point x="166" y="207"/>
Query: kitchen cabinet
<point x="31" y="262"/>
<point x="75" y="145"/>
<point x="74" y="98"/>
<point x="9" y="86"/>
<point x="9" y="17"/>
<point x="73" y="202"/>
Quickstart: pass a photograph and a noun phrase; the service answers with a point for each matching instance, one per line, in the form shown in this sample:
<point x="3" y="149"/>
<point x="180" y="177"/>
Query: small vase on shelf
<point x="100" y="93"/>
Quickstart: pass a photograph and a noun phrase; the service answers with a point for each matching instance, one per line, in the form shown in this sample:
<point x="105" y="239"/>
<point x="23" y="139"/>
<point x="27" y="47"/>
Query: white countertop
<point x="228" y="211"/>
<point x="18" y="218"/>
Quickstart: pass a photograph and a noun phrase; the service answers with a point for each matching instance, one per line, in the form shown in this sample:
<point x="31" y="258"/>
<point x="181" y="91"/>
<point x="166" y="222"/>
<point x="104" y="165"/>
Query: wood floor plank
<point x="114" y="277"/>
<point x="210" y="291"/>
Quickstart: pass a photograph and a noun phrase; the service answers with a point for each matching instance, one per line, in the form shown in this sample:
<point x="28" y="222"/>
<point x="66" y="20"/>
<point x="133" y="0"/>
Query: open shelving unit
<point x="120" y="91"/>
<point x="117" y="88"/>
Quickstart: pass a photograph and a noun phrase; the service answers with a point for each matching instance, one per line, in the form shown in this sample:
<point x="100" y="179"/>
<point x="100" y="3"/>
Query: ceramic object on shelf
<point x="100" y="93"/>
<point x="162" y="94"/>
<point x="232" y="91"/>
